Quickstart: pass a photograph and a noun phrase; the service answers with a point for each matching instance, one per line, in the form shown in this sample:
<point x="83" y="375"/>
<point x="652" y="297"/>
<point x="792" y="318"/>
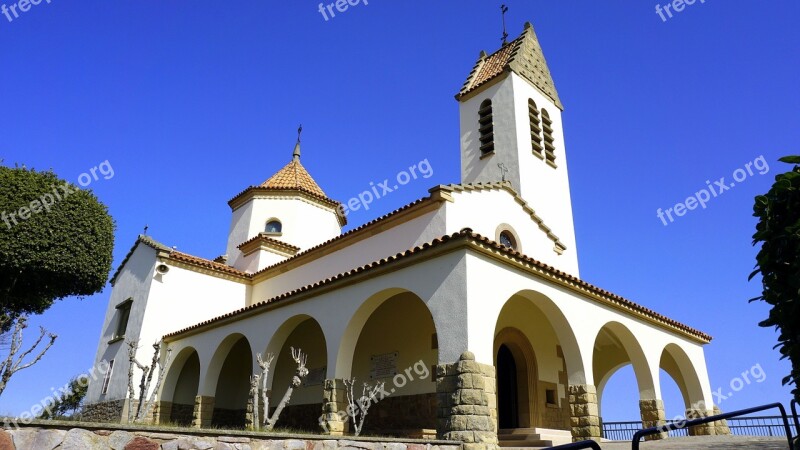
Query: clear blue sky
<point x="191" y="102"/>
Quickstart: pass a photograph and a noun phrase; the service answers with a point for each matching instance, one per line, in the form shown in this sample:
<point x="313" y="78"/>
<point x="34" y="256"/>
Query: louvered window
<point x="536" y="128"/>
<point x="549" y="141"/>
<point x="486" y="127"/>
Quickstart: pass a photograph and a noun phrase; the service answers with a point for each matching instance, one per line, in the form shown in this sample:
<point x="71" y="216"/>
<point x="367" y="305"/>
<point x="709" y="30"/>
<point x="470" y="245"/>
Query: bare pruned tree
<point x="145" y="404"/>
<point x="15" y="360"/>
<point x="297" y="380"/>
<point x="357" y="408"/>
<point x="259" y="383"/>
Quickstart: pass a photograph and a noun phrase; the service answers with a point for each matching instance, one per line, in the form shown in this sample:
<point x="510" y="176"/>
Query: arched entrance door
<point x="507" y="390"/>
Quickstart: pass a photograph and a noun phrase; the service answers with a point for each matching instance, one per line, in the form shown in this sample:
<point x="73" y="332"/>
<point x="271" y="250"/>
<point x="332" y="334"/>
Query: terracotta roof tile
<point x="294" y="176"/>
<point x="206" y="264"/>
<point x="524" y="57"/>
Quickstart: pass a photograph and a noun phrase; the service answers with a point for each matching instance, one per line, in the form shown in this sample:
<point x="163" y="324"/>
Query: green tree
<point x="778" y="263"/>
<point x="56" y="241"/>
<point x="69" y="405"/>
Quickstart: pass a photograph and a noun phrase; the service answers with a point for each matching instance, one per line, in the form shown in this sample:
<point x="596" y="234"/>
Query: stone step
<point x="508" y="431"/>
<point x="532" y="437"/>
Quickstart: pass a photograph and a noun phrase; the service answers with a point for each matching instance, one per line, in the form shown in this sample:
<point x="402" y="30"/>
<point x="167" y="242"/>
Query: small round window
<point x="507" y="240"/>
<point x="274" y="226"/>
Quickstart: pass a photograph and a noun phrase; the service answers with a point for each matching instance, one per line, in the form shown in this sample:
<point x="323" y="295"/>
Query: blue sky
<point x="190" y="102"/>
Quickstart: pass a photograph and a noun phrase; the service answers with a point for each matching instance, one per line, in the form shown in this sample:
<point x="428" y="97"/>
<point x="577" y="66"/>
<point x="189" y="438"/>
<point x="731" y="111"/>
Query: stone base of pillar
<point x="720" y="426"/>
<point x="584" y="413"/>
<point x="162" y="412"/>
<point x="203" y="411"/>
<point x="334" y="408"/>
<point x="653" y="415"/>
<point x="706" y="429"/>
<point x="467" y="400"/>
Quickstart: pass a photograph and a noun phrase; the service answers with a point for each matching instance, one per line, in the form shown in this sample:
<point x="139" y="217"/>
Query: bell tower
<point x="511" y="130"/>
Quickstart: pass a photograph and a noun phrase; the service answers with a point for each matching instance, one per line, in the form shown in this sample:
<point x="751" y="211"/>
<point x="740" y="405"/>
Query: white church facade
<point x="467" y="303"/>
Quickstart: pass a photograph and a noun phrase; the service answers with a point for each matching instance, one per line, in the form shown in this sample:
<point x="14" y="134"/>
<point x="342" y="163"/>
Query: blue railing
<point x="739" y="425"/>
<point x="768" y="426"/>
<point x="637" y="437"/>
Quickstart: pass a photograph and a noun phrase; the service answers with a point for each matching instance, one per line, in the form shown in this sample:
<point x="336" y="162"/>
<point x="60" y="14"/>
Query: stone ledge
<point x="65" y="435"/>
<point x="157" y="431"/>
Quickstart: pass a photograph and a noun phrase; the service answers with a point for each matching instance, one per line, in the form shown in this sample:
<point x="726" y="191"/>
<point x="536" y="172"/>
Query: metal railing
<point x="796" y="420"/>
<point x="767" y="426"/>
<point x="637" y="437"/>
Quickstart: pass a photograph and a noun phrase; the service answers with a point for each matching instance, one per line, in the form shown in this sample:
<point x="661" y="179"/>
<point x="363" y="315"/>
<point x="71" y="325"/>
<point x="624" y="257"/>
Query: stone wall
<point x="467" y="403"/>
<point x="104" y="411"/>
<point x="584" y="413"/>
<point x="49" y="435"/>
<point x="229" y="418"/>
<point x="652" y="412"/>
<point x="300" y="417"/>
<point x="181" y="415"/>
<point x="334" y="399"/>
<point x="399" y="415"/>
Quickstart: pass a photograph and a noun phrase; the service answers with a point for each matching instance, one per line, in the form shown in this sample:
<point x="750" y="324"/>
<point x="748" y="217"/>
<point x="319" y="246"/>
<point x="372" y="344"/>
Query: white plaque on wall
<point x="383" y="366"/>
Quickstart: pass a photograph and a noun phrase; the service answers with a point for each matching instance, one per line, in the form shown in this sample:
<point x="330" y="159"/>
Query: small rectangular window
<point x="123" y="315"/>
<point x="107" y="378"/>
<point x="550" y="396"/>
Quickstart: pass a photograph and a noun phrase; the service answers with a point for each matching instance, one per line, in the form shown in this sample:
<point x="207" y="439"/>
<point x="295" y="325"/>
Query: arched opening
<point x="675" y="363"/>
<point x="273" y="226"/>
<point x="397" y="345"/>
<point x="532" y="365"/>
<point x="180" y="388"/>
<point x="301" y="333"/>
<point x="233" y="387"/>
<point x="615" y="350"/>
<point x="507" y="391"/>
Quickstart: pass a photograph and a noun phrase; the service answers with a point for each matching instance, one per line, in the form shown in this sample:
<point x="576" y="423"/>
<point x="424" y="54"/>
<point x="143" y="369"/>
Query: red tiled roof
<point x="522" y="56"/>
<point x="196" y="261"/>
<point x="274" y="243"/>
<point x="294" y="176"/>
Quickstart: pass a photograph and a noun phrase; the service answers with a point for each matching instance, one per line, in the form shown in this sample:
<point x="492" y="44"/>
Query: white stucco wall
<point x="465" y="309"/>
<point x="342" y="314"/>
<point x="373" y="248"/>
<point x="484" y="211"/>
<point x="473" y="168"/>
<point x="161" y="304"/>
<point x="132" y="283"/>
<point x="545" y="188"/>
<point x="577" y="322"/>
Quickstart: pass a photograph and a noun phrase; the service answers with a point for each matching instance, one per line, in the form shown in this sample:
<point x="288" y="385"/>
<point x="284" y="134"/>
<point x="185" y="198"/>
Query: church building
<point x="467" y="303"/>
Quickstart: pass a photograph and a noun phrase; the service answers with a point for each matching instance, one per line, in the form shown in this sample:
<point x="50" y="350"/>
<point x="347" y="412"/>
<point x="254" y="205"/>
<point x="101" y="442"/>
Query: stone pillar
<point x="162" y="411"/>
<point x="707" y="429"/>
<point x="584" y="413"/>
<point x="467" y="403"/>
<point x="249" y="423"/>
<point x="720" y="426"/>
<point x="203" y="411"/>
<point x="653" y="415"/>
<point x="334" y="407"/>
